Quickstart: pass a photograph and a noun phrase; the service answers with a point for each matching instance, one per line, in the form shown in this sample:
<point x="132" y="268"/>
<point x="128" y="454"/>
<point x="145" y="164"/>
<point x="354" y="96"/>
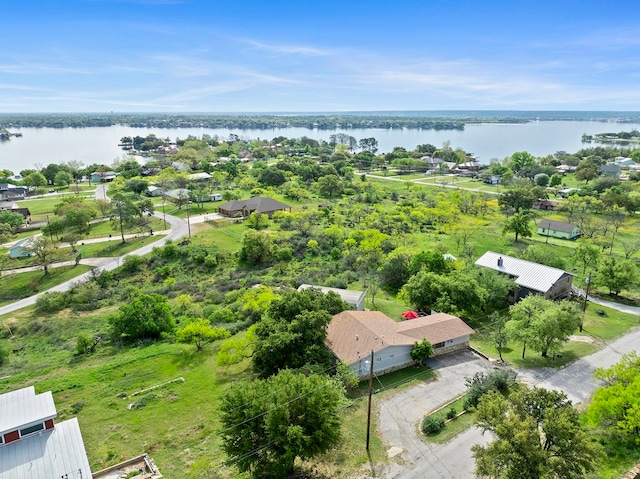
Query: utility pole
<point x="586" y="298"/>
<point x="370" y="395"/>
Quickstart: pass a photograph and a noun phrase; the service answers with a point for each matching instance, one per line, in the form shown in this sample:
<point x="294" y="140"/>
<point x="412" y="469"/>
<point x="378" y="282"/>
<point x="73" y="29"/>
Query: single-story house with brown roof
<point x="244" y="208"/>
<point x="352" y="335"/>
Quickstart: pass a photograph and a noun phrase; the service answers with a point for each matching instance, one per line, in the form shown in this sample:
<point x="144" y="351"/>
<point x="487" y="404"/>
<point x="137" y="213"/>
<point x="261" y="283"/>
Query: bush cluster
<point x="497" y="380"/>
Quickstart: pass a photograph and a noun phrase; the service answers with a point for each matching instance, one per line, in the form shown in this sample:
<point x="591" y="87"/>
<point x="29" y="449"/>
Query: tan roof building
<point x="352" y="335"/>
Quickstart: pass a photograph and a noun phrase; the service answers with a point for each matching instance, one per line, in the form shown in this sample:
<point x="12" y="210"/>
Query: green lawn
<point x="596" y="329"/>
<point x="115" y="247"/>
<point x="23" y="285"/>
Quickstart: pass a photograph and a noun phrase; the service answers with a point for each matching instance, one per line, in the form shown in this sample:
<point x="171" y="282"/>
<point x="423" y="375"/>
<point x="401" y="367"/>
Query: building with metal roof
<point x="32" y="446"/>
<point x="352" y="297"/>
<point x="531" y="278"/>
<point x="558" y="229"/>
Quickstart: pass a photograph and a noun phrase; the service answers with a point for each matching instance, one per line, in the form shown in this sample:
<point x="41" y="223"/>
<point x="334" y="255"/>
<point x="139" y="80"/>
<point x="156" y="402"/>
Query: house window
<point x="392" y="356"/>
<point x="438" y="345"/>
<point x="378" y="359"/>
<point x="1" y="439"/>
<point x="31" y="429"/>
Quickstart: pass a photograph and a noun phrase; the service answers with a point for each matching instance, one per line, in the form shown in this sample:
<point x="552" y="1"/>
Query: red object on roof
<point x="410" y="315"/>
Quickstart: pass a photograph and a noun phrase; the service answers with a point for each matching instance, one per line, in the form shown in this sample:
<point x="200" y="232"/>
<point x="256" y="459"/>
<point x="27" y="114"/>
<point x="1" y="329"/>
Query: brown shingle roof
<point x="352" y="334"/>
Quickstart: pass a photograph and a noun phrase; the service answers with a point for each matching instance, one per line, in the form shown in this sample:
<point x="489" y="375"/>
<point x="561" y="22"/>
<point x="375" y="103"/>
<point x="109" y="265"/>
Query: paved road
<point x="400" y="415"/>
<point x="178" y="230"/>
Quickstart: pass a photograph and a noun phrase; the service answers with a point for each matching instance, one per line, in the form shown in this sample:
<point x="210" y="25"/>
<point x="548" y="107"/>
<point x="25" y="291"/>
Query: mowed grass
<point x="597" y="329"/>
<point x="115" y="247"/>
<point x="177" y="425"/>
<point x="22" y="285"/>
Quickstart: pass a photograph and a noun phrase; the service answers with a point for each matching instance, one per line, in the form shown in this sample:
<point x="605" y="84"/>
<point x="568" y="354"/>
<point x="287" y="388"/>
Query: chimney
<point x="500" y="261"/>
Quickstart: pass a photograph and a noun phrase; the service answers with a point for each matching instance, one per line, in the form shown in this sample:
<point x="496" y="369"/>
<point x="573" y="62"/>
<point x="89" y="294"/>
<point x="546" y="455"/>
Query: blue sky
<point x="322" y="55"/>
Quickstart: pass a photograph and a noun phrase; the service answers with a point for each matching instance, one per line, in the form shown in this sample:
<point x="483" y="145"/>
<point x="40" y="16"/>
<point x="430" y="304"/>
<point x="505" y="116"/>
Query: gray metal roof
<point x="556" y="225"/>
<point x="350" y="296"/>
<point x="534" y="276"/>
<point x="50" y="454"/>
<point x="24" y="407"/>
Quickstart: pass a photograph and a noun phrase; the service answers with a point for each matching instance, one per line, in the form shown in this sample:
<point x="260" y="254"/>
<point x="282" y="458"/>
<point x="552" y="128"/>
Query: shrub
<point x="51" y="302"/>
<point x="4" y="354"/>
<point x="451" y="413"/>
<point x="497" y="380"/>
<point x="83" y="343"/>
<point x="432" y="424"/>
<point x="131" y="263"/>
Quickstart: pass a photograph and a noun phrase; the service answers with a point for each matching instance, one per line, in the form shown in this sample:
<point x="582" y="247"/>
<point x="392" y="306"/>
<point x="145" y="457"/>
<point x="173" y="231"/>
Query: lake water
<point x="41" y="146"/>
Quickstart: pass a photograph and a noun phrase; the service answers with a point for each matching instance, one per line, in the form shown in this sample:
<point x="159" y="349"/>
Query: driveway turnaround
<point x="400" y="415"/>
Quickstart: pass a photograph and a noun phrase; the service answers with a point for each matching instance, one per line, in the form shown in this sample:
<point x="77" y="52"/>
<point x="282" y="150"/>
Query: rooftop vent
<point x="500" y="261"/>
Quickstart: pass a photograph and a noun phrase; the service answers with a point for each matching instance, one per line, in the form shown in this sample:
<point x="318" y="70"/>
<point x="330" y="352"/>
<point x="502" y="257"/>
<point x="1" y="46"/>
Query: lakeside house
<point x="103" y="176"/>
<point x="610" y="170"/>
<point x="352" y="335"/>
<point x="531" y="278"/>
<point x="32" y="445"/>
<point x="558" y="229"/>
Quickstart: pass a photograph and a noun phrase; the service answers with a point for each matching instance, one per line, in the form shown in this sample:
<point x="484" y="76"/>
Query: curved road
<point x="178" y="230"/>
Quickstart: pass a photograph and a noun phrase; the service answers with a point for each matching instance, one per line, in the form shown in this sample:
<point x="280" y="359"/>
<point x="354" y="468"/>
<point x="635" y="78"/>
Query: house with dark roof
<point x="558" y="229"/>
<point x="352" y="335"/>
<point x="610" y="170"/>
<point x="531" y="278"/>
<point x="244" y="208"/>
<point x="32" y="445"/>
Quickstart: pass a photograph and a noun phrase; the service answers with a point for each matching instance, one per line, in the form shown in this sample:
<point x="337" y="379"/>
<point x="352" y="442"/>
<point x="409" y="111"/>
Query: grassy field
<point x="177" y="424"/>
<point x="598" y="328"/>
<point x="23" y="285"/>
<point x="109" y="249"/>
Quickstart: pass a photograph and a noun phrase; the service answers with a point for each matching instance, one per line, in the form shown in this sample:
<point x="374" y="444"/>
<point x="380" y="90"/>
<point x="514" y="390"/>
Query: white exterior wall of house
<point x="385" y="360"/>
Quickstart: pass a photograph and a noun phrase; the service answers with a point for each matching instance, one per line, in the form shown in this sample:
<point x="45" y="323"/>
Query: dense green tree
<point x="6" y="232"/>
<point x="136" y="186"/>
<point x="272" y="176"/>
<point x="616" y="274"/>
<point x="63" y="178"/>
<point x="542" y="324"/>
<point x="256" y="247"/>
<point x="291" y="334"/>
<point x="519" y="224"/>
<point x="519" y="198"/>
<point x="520" y="160"/>
<point x="200" y="331"/>
<point x="430" y="261"/>
<point x="76" y="213"/>
<point x="454" y="293"/>
<point x="537" y="436"/>
<point x="544" y="254"/>
<point x="267" y="424"/>
<point x="421" y="351"/>
<point x="541" y="179"/>
<point x="395" y="271"/>
<point x="330" y="185"/>
<point x="586" y="254"/>
<point x="258" y="221"/>
<point x="615" y="405"/>
<point x="12" y="219"/>
<point x="146" y="316"/>
<point x="123" y="213"/>
<point x="35" y="179"/>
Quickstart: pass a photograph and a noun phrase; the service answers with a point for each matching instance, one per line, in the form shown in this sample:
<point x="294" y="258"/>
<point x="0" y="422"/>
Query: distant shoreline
<point x="425" y="120"/>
